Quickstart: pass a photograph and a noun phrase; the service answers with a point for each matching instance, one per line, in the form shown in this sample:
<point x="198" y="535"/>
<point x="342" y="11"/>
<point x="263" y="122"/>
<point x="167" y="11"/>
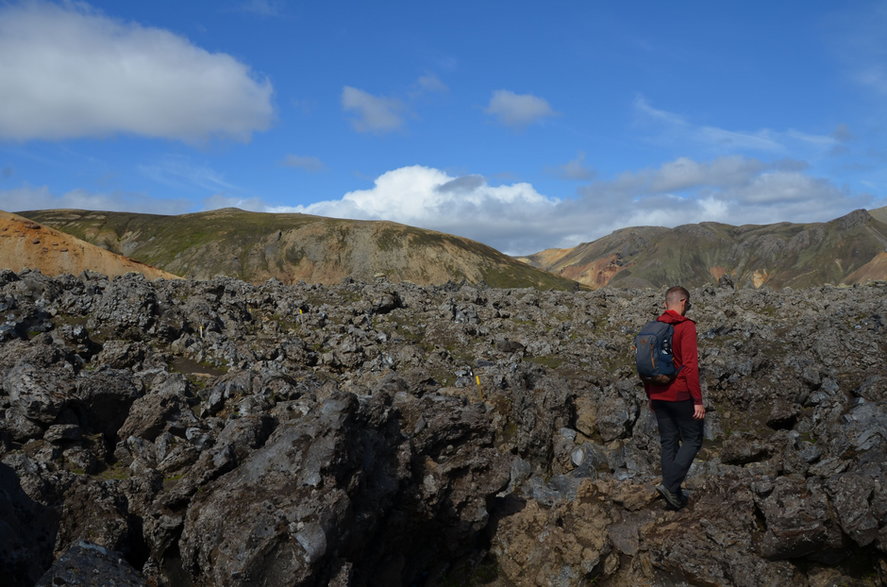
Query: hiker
<point x="678" y="404"/>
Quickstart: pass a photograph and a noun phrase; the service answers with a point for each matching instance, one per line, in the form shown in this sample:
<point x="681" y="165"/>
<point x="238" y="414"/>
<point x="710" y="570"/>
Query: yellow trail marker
<point x="477" y="379"/>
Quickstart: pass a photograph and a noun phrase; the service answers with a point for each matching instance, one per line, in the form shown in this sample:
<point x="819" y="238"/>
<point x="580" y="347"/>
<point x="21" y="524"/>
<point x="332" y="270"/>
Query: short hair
<point x="676" y="294"/>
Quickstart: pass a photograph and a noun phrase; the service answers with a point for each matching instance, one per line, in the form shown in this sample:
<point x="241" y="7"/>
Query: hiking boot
<point x="670" y="498"/>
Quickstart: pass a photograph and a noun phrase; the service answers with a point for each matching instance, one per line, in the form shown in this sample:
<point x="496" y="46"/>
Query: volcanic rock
<point x="217" y="432"/>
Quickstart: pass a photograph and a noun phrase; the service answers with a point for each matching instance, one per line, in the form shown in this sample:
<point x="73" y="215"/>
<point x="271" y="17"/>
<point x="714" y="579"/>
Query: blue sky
<point x="524" y="125"/>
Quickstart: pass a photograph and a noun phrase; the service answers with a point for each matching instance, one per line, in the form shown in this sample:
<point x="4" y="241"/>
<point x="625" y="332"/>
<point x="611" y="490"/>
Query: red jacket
<point x="686" y="384"/>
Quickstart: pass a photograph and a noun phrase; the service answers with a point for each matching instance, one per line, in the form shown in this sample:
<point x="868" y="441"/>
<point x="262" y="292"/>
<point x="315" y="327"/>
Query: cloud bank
<point x="68" y="72"/>
<point x="517" y="219"/>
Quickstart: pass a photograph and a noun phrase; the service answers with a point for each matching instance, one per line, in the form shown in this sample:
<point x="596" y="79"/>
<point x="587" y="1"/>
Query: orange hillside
<point x="26" y="244"/>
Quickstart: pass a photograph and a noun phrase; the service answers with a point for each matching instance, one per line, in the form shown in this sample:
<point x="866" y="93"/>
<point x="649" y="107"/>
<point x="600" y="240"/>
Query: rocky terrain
<point x="255" y="246"/>
<point x="221" y="433"/>
<point x="847" y="250"/>
<point x="25" y="244"/>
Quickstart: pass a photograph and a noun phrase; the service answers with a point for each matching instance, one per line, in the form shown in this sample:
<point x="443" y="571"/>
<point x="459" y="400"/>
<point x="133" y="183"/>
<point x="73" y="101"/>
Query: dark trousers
<point x="680" y="437"/>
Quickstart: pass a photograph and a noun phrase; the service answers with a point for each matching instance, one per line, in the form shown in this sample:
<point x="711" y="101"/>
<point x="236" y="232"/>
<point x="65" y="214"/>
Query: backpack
<point x="653" y="354"/>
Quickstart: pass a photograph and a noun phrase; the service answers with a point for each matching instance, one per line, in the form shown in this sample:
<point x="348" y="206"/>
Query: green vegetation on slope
<point x="296" y="247"/>
<point x="779" y="255"/>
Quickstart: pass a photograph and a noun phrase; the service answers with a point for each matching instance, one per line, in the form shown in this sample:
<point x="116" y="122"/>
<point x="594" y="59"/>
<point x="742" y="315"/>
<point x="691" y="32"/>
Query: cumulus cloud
<point x="39" y="198"/>
<point x="303" y="162"/>
<point x="430" y="198"/>
<point x="372" y="113"/>
<point x="517" y="219"/>
<point x="69" y="71"/>
<point x="674" y="128"/>
<point x="518" y="110"/>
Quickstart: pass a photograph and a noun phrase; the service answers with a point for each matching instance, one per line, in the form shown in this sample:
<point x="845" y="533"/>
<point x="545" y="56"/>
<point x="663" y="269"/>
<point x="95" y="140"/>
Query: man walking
<point x="678" y="405"/>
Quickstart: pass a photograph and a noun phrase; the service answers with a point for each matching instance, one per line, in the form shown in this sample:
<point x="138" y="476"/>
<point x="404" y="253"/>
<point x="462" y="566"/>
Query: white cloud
<point x="380" y="114"/>
<point x="575" y="169"/>
<point x="372" y="113"/>
<point x="674" y="128"/>
<point x="430" y="83"/>
<point x="68" y="71"/>
<point x="734" y="190"/>
<point x="518" y="110"/>
<point x="430" y="198"/>
<point x="785" y="187"/>
<point x="303" y="162"/>
<point x="517" y="219"/>
<point x="40" y="198"/>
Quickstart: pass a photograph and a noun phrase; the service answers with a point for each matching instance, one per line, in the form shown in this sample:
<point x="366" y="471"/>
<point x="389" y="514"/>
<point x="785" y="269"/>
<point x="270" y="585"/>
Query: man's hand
<point x="698" y="412"/>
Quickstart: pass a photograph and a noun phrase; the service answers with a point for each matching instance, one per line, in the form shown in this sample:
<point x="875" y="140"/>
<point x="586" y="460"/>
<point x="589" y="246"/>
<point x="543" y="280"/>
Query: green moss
<point x="170" y="481"/>
<point x="550" y="361"/>
<point x="113" y="472"/>
<point x="471" y="573"/>
<point x="389" y="239"/>
<point x="509" y="432"/>
<point x="69" y="320"/>
<point x="294" y="256"/>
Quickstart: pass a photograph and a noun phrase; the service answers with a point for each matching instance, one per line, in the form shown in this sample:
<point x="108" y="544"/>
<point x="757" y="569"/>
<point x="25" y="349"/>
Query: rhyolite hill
<point x="221" y="433"/>
<point x="847" y="250"/>
<point x="25" y="244"/>
<point x="256" y="246"/>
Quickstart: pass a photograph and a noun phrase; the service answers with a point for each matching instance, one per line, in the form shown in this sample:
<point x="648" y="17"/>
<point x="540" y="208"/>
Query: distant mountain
<point x="25" y="244"/>
<point x="879" y="213"/>
<point x="850" y="249"/>
<point x="256" y="246"/>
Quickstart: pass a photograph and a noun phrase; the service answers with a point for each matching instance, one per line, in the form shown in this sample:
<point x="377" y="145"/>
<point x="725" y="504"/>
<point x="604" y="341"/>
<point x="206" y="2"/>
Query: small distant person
<point x="678" y="405"/>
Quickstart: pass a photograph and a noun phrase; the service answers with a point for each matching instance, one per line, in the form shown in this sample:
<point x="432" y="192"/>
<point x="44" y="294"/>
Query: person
<point x="678" y="405"/>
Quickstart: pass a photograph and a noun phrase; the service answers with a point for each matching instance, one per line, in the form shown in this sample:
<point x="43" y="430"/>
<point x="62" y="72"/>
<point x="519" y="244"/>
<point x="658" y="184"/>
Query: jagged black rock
<point x="218" y="432"/>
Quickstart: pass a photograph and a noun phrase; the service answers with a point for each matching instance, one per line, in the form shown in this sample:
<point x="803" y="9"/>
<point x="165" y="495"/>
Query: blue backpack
<point x="653" y="354"/>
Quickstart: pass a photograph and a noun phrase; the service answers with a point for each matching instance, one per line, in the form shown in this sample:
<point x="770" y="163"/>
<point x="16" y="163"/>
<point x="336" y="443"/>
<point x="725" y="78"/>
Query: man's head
<point x="677" y="298"/>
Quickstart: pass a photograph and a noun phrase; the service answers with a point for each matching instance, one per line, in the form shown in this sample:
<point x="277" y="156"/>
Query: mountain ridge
<point x="845" y="250"/>
<point x="256" y="246"/>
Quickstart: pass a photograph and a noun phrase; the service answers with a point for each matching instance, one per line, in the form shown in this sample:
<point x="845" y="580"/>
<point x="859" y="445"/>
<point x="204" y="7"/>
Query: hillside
<point x="843" y="251"/>
<point x="296" y="247"/>
<point x="879" y="213"/>
<point x="27" y="244"/>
